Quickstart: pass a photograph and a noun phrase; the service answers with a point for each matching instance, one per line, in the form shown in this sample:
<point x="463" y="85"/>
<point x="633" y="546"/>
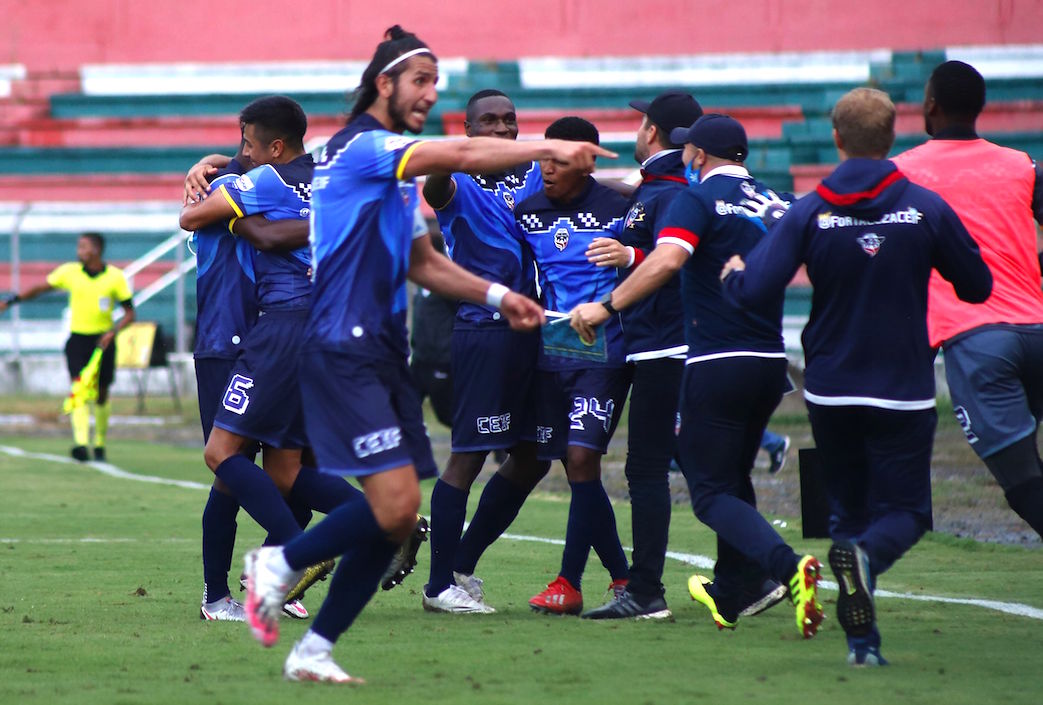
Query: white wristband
<point x="633" y="256"/>
<point x="494" y="296"/>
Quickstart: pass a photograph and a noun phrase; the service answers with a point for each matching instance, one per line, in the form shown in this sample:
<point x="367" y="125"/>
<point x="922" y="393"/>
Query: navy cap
<point x="719" y="135"/>
<point x="670" y="110"/>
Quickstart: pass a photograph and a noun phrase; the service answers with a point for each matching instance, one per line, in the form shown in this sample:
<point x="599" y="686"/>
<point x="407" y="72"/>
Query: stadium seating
<point x="120" y="134"/>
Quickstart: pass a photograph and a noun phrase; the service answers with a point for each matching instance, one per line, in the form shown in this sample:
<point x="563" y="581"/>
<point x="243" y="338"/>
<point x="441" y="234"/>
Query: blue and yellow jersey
<point x="92" y="298"/>
<point x="482" y="236"/>
<point x="558" y="235"/>
<point x="364" y="221"/>
<point x="226" y="304"/>
<point x="279" y="192"/>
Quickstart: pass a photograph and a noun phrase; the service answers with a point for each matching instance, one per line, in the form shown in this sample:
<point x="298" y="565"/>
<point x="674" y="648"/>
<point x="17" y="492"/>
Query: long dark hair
<point x="397" y="42"/>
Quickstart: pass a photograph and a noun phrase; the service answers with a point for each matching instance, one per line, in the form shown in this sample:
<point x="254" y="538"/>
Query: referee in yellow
<point x="94" y="290"/>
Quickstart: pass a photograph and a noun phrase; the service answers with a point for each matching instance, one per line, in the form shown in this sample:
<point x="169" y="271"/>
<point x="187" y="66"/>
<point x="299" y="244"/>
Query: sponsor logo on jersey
<point x="636" y="214"/>
<point x="871" y="243"/>
<point x="397" y="142"/>
<point x="725" y="208"/>
<point x="910" y="216"/>
<point x="377" y="442"/>
<point x="561" y="239"/>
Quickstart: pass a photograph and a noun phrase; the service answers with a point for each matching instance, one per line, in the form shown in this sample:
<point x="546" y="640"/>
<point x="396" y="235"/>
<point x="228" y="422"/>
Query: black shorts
<point x="78" y="351"/>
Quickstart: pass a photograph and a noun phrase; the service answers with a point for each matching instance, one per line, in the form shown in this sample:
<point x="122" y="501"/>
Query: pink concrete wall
<point x="63" y="34"/>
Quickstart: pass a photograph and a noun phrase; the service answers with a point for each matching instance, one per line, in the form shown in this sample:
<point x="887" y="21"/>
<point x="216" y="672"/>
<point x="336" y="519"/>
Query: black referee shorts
<point x="78" y="351"/>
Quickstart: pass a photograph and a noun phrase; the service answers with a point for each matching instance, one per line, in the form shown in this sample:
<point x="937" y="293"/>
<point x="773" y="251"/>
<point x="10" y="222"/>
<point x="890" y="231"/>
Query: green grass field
<point x="101" y="581"/>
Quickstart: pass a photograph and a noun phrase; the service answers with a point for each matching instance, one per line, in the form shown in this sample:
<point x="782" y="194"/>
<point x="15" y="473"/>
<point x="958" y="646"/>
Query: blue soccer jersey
<point x="708" y="221"/>
<point x="482" y="236"/>
<point x="363" y="226"/>
<point x="225" y="296"/>
<point x="559" y="235"/>
<point x="279" y="192"/>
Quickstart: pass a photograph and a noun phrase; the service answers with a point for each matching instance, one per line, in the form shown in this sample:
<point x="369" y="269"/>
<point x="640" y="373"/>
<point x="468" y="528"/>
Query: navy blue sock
<point x="345" y="528"/>
<point x="498" y="506"/>
<point x="259" y="496"/>
<point x="356" y="577"/>
<point x="583" y="508"/>
<point x="605" y="537"/>
<point x="218" y="543"/>
<point x="323" y="491"/>
<point x="448" y="508"/>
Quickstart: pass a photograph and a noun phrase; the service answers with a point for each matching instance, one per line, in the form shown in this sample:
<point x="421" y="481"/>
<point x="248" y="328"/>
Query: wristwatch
<point x="606" y="301"/>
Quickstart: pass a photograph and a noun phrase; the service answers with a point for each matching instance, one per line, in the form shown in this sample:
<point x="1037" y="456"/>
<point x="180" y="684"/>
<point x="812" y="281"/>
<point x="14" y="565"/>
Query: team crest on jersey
<point x="561" y="239"/>
<point x="244" y="183"/>
<point x="509" y="200"/>
<point x="636" y="214"/>
<point x="871" y="243"/>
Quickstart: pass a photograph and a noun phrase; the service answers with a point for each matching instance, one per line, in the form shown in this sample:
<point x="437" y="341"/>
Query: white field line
<point x="692" y="559"/>
<point x="104" y="468"/>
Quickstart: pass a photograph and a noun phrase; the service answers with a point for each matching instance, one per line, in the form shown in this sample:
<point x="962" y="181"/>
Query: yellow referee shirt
<point x="91" y="299"/>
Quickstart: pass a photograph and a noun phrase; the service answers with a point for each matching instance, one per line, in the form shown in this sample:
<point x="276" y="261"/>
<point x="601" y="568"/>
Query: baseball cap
<point x="670" y="110"/>
<point x="719" y="135"/>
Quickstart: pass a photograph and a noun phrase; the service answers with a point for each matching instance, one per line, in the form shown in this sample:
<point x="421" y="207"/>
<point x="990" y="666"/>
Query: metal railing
<point x="176" y="277"/>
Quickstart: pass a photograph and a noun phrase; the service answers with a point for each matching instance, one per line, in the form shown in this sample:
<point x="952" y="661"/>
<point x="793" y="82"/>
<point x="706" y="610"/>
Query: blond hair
<point x="865" y="120"/>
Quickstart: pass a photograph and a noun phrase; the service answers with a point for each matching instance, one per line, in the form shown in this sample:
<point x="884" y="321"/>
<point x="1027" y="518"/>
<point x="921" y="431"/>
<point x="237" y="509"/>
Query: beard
<point x="398" y="112"/>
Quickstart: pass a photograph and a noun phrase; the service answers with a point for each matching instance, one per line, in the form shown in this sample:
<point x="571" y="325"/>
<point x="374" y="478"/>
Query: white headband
<point x="395" y="62"/>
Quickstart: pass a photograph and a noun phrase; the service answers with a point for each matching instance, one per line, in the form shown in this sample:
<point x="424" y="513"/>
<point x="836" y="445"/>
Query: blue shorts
<point x="493" y="394"/>
<point x="212" y="375"/>
<point x="578" y="408"/>
<point x="262" y="397"/>
<point x="363" y="416"/>
<point x="995" y="376"/>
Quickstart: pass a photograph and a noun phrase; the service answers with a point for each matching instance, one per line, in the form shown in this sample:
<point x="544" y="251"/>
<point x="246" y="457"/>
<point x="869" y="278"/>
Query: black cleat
<point x="80" y="453"/>
<point x="404" y="560"/>
<point x="855" y="610"/>
<point x="771" y="593"/>
<point x="629" y="606"/>
<point x="99" y="454"/>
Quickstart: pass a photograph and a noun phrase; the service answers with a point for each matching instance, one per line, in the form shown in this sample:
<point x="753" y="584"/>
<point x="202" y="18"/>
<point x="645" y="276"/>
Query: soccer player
<point x="95" y="287"/>
<point x="579" y="400"/>
<point x="492" y="364"/>
<point x="363" y="415"/>
<point x="734" y="377"/>
<point x="870" y="239"/>
<point x="261" y="401"/>
<point x="655" y="348"/>
<point x="226" y="311"/>
<point x="993" y="351"/>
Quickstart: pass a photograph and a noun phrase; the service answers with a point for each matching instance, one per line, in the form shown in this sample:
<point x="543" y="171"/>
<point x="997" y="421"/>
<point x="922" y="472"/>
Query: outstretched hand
<point x="579" y="154"/>
<point x="766" y="206"/>
<point x="522" y="312"/>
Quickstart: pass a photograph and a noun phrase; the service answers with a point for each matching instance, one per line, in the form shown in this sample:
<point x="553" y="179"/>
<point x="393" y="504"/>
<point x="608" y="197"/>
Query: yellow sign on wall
<point x="134" y="345"/>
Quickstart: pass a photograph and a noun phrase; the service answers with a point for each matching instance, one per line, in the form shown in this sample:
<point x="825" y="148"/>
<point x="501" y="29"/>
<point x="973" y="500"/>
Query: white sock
<point x="311" y="644"/>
